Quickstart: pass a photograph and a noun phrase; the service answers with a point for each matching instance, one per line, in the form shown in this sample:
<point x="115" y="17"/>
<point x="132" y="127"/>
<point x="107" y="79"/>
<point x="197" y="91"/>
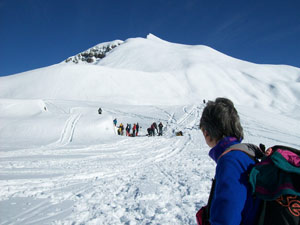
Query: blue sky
<point x="39" y="33"/>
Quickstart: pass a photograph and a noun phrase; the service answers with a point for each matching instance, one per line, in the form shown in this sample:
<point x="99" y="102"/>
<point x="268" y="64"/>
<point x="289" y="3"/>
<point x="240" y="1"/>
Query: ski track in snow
<point x="67" y="134"/>
<point x="142" y="180"/>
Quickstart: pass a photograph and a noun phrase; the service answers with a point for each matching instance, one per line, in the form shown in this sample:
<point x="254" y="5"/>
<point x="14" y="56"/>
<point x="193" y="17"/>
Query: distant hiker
<point x="134" y="130"/>
<point x="155" y="127"/>
<point x="115" y="121"/>
<point x="137" y="129"/>
<point x="121" y="129"/>
<point x="231" y="200"/>
<point x="160" y="129"/>
<point x="179" y="133"/>
<point x="99" y="111"/>
<point x="150" y="131"/>
<point x="127" y="130"/>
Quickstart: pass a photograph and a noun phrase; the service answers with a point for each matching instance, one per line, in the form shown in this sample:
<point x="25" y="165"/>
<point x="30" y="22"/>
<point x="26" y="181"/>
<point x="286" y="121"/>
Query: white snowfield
<point x="63" y="163"/>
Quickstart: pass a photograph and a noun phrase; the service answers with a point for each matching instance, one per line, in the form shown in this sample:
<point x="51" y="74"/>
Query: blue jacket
<point x="232" y="202"/>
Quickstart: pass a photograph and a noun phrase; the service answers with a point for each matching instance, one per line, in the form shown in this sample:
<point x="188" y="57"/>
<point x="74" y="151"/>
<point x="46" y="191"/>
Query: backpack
<point x="275" y="179"/>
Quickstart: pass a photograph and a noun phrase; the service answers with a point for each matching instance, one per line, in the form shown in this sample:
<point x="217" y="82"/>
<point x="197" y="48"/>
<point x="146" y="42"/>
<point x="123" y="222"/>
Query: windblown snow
<point x="63" y="163"/>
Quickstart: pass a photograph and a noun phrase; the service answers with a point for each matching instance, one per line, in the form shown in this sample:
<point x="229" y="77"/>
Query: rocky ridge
<point x="95" y="54"/>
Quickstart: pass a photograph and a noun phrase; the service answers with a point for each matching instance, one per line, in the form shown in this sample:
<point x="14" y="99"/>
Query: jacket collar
<point x="222" y="145"/>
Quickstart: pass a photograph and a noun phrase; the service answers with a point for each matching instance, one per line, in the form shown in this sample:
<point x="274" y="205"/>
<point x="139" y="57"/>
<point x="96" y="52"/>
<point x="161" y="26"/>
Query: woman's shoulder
<point x="236" y="155"/>
<point x="236" y="159"/>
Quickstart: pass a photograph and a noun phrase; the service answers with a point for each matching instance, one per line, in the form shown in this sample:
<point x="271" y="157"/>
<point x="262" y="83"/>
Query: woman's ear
<point x="209" y="141"/>
<point x="205" y="134"/>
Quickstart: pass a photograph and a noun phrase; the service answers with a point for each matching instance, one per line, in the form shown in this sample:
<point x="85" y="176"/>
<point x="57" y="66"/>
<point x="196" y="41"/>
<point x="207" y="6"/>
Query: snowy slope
<point x="152" y="71"/>
<point x="63" y="163"/>
<point x="81" y="173"/>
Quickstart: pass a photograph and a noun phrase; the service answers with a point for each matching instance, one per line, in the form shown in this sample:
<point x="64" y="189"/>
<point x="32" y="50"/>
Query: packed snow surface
<point x="63" y="163"/>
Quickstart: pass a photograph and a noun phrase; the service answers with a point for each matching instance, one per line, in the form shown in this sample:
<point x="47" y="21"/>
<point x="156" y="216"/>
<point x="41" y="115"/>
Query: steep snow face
<point x="151" y="71"/>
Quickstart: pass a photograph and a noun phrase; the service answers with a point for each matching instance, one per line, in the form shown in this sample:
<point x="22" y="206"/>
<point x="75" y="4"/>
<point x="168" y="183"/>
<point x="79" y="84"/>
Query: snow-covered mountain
<point x="152" y="71"/>
<point x="63" y="163"/>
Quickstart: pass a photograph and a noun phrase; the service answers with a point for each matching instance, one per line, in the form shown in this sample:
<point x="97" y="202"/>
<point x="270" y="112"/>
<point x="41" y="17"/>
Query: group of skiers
<point x="151" y="130"/>
<point x="133" y="130"/>
<point x="130" y="131"/>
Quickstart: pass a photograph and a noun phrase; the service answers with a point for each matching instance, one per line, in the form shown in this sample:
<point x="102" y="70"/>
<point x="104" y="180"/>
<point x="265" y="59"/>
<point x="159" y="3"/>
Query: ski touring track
<point x="68" y="131"/>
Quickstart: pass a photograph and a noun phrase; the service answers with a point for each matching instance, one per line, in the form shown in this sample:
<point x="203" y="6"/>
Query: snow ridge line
<point x="54" y="107"/>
